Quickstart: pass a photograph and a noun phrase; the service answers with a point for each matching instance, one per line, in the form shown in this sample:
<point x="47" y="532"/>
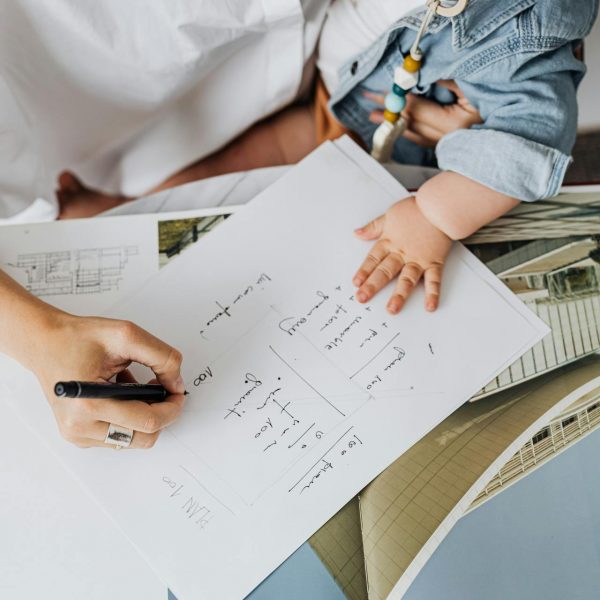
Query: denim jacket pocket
<point x="481" y="18"/>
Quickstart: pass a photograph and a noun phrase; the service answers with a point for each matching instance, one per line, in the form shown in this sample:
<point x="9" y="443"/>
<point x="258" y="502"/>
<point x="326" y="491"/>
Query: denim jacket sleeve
<point x="522" y="148"/>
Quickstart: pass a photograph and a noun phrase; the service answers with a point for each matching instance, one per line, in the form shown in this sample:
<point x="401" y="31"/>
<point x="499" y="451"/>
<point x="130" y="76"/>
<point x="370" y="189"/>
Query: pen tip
<point x="186" y="393"/>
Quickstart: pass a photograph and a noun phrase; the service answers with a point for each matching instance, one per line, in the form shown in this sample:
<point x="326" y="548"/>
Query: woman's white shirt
<point x="126" y="93"/>
<point x="351" y="27"/>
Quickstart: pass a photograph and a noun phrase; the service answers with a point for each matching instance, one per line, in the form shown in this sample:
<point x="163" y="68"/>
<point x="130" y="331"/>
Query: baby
<point x="514" y="62"/>
<point x="484" y="90"/>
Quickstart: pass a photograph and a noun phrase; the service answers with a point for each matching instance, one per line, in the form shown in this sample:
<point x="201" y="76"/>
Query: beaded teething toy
<point x="406" y="76"/>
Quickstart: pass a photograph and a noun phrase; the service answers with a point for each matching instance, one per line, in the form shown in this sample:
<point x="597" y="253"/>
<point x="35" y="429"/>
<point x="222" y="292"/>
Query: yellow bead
<point x="388" y="115"/>
<point x="410" y="64"/>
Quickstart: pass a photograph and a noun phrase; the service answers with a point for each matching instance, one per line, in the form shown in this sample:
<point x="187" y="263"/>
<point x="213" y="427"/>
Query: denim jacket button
<point x="354" y="68"/>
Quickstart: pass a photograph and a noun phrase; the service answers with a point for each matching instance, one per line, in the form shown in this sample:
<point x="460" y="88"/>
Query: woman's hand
<point x="427" y="121"/>
<point x="97" y="349"/>
<point x="58" y="346"/>
<point x="409" y="247"/>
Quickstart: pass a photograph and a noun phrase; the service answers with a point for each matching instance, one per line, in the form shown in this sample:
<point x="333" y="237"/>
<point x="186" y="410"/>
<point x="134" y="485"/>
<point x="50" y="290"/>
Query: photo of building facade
<point x="559" y="280"/>
<point x="536" y="409"/>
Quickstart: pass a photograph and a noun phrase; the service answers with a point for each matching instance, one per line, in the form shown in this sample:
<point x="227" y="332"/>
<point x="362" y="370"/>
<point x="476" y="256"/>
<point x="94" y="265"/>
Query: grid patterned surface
<point x="575" y="324"/>
<point x="565" y="215"/>
<point x="339" y="545"/>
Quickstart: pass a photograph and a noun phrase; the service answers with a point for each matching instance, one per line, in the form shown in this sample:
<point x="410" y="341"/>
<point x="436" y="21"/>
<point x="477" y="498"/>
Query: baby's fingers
<point x="378" y="252"/>
<point x="383" y="273"/>
<point x="433" y="280"/>
<point x="409" y="277"/>
<point x="374" y="97"/>
<point x="372" y="230"/>
<point x="376" y="116"/>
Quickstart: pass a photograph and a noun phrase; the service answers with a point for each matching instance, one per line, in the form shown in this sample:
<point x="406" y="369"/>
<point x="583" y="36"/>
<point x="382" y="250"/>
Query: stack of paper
<point x="299" y="395"/>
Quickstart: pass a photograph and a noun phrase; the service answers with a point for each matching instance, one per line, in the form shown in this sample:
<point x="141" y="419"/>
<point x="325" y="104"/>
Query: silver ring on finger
<point x="119" y="437"/>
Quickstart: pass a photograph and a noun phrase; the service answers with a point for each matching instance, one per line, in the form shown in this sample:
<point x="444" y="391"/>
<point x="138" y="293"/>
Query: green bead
<point x="398" y="90"/>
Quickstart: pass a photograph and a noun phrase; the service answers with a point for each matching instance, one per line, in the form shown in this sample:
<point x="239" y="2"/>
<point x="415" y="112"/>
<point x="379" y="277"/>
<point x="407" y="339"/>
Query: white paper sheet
<point x="55" y="543"/>
<point x="299" y="395"/>
<point x="84" y="266"/>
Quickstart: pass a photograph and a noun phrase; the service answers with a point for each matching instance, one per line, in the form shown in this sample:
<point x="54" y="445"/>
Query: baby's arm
<point x="415" y="235"/>
<point x="519" y="151"/>
<point x="460" y="206"/>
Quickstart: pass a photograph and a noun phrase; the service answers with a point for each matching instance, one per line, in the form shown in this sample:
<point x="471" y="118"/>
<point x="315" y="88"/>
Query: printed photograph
<point x="177" y="235"/>
<point x="558" y="278"/>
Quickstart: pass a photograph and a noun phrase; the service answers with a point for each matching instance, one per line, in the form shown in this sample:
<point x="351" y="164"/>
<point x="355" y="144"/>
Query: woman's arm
<point x="58" y="346"/>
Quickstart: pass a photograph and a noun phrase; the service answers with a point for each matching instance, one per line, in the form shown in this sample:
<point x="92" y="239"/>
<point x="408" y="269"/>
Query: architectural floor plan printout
<point x="86" y="265"/>
<point x="299" y="395"/>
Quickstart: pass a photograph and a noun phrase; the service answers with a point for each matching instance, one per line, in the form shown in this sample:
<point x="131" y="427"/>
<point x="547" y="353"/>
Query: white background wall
<point x="589" y="92"/>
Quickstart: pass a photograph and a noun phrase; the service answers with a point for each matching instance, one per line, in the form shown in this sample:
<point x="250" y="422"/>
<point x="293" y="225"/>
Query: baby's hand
<point x="428" y="121"/>
<point x="409" y="246"/>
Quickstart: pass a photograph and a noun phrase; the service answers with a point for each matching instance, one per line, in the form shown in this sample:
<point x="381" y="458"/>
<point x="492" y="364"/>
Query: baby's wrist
<point x="460" y="206"/>
<point x="427" y="216"/>
<point x="430" y="207"/>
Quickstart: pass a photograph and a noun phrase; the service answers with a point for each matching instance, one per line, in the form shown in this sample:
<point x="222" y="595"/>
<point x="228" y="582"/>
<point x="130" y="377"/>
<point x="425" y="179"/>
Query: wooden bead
<point x="404" y="79"/>
<point x="390" y="116"/>
<point x="384" y="138"/>
<point x="410" y="64"/>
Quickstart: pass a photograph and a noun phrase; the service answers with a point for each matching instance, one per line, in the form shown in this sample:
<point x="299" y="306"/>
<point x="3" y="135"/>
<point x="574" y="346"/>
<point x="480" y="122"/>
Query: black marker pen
<point x="148" y="392"/>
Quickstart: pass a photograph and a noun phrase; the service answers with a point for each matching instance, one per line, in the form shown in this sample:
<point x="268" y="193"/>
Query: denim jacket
<point x="514" y="61"/>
